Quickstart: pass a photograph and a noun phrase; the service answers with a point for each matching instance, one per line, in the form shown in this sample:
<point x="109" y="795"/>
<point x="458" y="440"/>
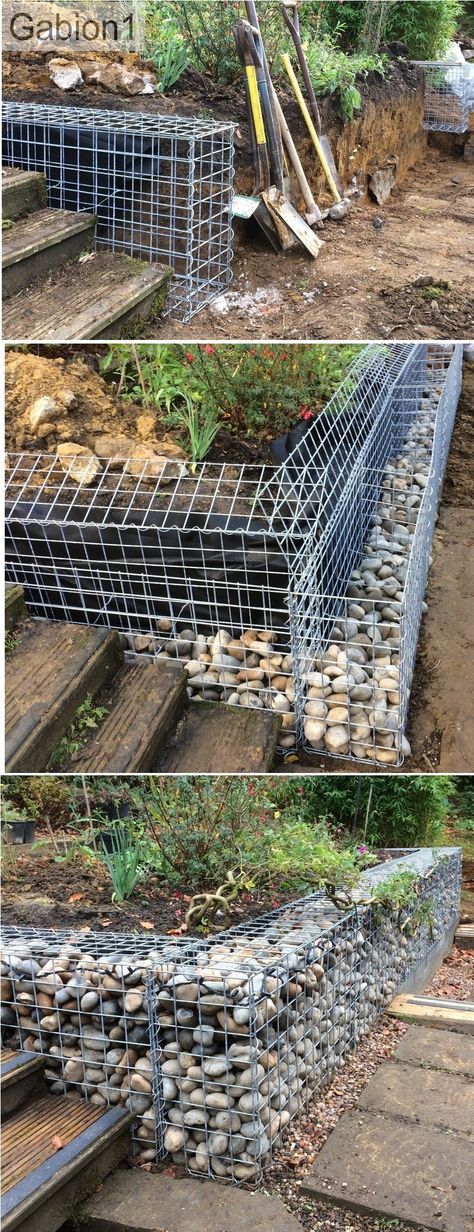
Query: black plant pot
<point x="114" y="811"/>
<point x="20" y="831"/>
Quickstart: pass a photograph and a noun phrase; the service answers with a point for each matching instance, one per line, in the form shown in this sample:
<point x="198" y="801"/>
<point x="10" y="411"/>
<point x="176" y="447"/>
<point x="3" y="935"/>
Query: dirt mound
<point x="81" y="404"/>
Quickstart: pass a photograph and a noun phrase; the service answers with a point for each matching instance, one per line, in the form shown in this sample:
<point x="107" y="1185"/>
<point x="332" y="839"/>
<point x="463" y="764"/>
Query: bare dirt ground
<point x="442" y="718"/>
<point x="363" y="284"/>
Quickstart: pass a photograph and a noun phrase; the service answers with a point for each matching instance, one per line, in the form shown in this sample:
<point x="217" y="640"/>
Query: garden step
<point x="21" y="1073"/>
<point x="145" y="707"/>
<point x="214" y="739"/>
<point x="428" y="1047"/>
<point x="434" y="1012"/>
<point x="53" y="670"/>
<point x="56" y="1150"/>
<point x="464" y="937"/>
<point x="15" y="609"/>
<point x="95" y="298"/>
<point x="22" y="192"/>
<point x="137" y="1202"/>
<point x="42" y="242"/>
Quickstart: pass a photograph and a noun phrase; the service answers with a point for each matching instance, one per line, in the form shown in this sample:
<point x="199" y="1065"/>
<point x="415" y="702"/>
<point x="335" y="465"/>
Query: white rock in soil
<point x="79" y="462"/>
<point x="65" y="74"/>
<point x="42" y="411"/>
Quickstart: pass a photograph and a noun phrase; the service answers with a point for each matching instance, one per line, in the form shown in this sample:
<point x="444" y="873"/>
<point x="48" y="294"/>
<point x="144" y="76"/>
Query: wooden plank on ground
<point x="434" y="1012"/>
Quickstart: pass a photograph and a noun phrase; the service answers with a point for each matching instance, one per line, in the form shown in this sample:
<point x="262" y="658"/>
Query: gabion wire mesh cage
<point x="160" y="186"/>
<point x="217" y="1044"/>
<point x="297" y="588"/>
<point x="449" y="96"/>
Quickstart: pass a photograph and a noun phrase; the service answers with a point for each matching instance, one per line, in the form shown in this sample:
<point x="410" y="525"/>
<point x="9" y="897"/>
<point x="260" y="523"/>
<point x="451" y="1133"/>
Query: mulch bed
<point x="46" y="892"/>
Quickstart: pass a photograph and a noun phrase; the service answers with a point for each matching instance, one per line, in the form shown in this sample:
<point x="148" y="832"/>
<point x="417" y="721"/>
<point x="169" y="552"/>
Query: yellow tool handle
<point x="255" y="105"/>
<point x="312" y="131"/>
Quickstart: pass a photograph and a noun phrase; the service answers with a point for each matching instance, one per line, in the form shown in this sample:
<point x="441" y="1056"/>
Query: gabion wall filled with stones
<point x="217" y="1044"/>
<point x="297" y="588"/>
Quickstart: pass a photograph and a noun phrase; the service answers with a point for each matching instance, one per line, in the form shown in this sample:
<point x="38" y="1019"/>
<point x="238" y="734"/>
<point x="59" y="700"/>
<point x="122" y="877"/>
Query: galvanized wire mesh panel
<point x="160" y="186"/>
<point x="259" y="578"/>
<point x="449" y="96"/>
<point x="234" y="1033"/>
<point x="356" y="644"/>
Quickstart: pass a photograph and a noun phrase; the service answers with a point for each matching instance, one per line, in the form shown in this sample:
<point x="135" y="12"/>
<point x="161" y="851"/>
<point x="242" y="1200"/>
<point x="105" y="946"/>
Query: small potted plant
<point x="17" y="828"/>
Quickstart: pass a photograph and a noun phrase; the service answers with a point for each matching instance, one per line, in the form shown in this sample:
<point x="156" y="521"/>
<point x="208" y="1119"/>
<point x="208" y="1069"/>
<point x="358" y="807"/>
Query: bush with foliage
<point x="425" y="26"/>
<point x="246" y="388"/>
<point x="392" y="811"/>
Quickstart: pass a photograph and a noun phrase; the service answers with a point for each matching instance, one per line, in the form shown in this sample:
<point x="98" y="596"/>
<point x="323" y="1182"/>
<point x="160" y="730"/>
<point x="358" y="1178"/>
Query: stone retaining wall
<point x="245" y="1025"/>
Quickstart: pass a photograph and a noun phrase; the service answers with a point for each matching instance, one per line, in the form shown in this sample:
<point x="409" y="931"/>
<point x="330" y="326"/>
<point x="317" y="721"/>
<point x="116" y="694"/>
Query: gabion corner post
<point x="207" y="1021"/>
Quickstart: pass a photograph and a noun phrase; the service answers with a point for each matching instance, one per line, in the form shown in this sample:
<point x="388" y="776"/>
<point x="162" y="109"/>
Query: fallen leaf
<point x="57" y="1143"/>
<point x="146" y="924"/>
<point x="86" y="256"/>
<point x="75" y="898"/>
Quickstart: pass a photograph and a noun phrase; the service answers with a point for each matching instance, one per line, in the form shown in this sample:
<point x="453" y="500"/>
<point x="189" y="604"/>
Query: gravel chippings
<point x="307" y="1135"/>
<point x="309" y="1132"/>
<point x="455" y="978"/>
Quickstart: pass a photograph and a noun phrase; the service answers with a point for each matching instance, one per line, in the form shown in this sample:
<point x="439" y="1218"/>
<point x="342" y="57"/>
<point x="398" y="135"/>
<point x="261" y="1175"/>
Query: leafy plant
<point x="201" y="429"/>
<point x="206" y="29"/>
<point x="333" y="71"/>
<point x="124" y="863"/>
<point x="12" y="641"/>
<point x="88" y="716"/>
<point x="200" y="826"/>
<point x="426" y="28"/>
<point x="10" y="812"/>
<point x="169" y="62"/>
<point x="406" y="811"/>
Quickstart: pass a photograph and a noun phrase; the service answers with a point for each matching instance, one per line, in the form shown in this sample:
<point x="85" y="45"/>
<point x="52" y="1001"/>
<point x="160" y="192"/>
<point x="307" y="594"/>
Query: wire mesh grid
<point x="216" y="1044"/>
<point x="159" y="186"/>
<point x="449" y="96"/>
<point x="355" y="655"/>
<point x="253" y="576"/>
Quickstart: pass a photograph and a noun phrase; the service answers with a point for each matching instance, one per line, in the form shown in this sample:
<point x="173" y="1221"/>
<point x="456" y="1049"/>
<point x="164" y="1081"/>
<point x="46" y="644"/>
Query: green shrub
<point x="426" y="27"/>
<point x="406" y="811"/>
<point x="250" y="388"/>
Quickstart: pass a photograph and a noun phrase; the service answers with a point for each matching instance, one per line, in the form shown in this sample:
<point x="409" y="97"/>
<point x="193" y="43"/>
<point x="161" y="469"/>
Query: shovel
<point x="311" y="129"/>
<point x="287" y="221"/>
<point x="289" y="10"/>
<point x="242" y="206"/>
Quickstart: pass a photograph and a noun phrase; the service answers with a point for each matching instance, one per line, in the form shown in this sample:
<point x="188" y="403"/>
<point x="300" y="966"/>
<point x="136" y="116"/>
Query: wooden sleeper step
<point x="144" y="709"/>
<point x="42" y="242"/>
<point x="56" y="1151"/>
<point x="97" y="298"/>
<point x="22" y="192"/>
<point x="53" y="670"/>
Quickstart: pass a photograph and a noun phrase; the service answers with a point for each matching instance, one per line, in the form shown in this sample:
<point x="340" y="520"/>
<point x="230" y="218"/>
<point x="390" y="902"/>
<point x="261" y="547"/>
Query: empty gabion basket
<point x="449" y="96"/>
<point x="160" y="186"/>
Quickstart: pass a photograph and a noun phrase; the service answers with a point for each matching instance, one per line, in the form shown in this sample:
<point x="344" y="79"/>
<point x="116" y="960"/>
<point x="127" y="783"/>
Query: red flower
<point x="189" y="357"/>
<point x="306" y="413"/>
<point x="208" y="349"/>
